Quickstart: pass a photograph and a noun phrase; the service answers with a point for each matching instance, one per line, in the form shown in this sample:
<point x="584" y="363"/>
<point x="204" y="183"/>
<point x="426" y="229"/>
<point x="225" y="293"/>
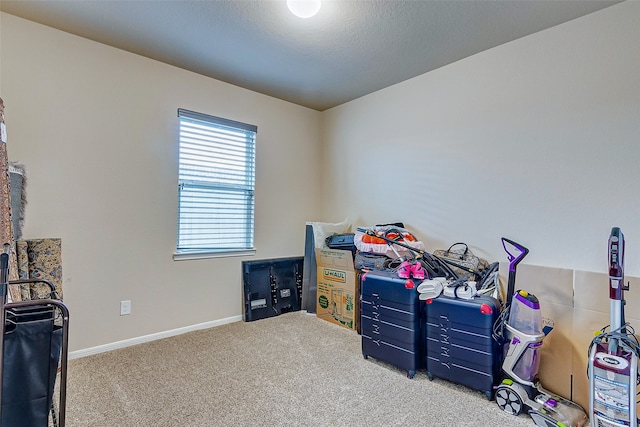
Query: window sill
<point x="183" y="256"/>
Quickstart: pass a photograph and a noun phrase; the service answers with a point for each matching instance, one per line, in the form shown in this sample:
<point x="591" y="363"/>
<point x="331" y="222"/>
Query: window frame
<point x="211" y="186"/>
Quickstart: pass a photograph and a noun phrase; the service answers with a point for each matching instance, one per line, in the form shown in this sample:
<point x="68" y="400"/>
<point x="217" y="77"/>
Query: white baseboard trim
<point x="152" y="337"/>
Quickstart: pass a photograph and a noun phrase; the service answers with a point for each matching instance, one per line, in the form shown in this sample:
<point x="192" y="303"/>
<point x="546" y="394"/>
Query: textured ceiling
<point x="351" y="48"/>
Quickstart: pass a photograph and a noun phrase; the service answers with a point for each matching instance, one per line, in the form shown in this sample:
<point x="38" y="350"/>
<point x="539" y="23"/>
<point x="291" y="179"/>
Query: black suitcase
<point x="271" y="287"/>
<point x="459" y="342"/>
<point x="390" y="320"/>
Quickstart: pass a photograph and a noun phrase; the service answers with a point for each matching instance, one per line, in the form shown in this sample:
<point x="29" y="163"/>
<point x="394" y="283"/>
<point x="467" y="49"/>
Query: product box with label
<point x="336" y="300"/>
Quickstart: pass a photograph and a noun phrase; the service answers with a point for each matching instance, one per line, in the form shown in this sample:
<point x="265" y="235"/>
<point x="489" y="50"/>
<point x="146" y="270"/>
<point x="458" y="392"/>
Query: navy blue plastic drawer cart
<point x="390" y="316"/>
<point x="459" y="343"/>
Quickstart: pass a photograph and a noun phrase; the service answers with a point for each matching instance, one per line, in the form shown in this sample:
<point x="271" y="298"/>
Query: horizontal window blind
<point x="216" y="182"/>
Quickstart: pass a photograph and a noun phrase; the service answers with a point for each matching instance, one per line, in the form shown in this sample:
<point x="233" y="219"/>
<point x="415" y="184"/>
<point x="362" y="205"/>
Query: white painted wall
<point x="537" y="140"/>
<point x="96" y="128"/>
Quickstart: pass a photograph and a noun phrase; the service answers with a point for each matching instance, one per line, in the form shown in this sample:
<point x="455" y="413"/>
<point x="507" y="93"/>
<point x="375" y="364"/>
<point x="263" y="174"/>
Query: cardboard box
<point x="336" y="297"/>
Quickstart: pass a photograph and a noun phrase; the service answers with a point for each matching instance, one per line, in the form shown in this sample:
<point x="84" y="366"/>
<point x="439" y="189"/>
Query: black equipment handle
<point x="460" y="266"/>
<point x="4" y="284"/>
<point x="4" y="274"/>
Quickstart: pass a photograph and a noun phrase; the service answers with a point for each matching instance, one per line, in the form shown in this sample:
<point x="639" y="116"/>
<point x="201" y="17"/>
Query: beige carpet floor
<point x="289" y="370"/>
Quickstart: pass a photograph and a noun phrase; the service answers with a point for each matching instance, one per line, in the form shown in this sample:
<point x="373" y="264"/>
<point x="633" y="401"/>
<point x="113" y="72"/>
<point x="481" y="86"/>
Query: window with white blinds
<point x="216" y="181"/>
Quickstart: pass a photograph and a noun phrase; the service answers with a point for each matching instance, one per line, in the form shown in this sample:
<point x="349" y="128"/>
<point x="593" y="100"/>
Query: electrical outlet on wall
<point x="125" y="307"/>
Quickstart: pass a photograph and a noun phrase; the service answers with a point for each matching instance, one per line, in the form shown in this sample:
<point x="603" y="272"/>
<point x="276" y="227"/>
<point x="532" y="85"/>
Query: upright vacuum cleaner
<point x="521" y="330"/>
<point x="613" y="354"/>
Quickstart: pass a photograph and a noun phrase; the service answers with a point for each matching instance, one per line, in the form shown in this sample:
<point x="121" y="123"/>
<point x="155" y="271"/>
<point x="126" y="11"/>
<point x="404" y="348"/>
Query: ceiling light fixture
<point x="304" y="8"/>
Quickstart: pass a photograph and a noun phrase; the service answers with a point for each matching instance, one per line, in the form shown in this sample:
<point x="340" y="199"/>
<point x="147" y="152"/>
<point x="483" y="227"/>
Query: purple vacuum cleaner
<point x="523" y="332"/>
<point x="613" y="354"/>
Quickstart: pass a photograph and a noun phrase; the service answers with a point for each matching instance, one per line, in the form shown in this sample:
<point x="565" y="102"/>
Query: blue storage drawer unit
<point x="390" y="316"/>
